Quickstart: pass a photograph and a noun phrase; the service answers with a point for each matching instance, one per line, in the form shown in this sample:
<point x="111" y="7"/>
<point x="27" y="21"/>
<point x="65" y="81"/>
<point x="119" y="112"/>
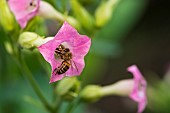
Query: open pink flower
<point x="24" y="10"/>
<point x="138" y="93"/>
<point x="78" y="45"/>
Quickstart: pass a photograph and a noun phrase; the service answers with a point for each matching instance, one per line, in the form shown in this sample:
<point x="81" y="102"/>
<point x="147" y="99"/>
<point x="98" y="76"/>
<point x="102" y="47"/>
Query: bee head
<point x="66" y="50"/>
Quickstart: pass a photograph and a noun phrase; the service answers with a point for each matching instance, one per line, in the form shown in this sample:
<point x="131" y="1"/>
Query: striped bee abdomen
<point x="65" y="65"/>
<point x="65" y="55"/>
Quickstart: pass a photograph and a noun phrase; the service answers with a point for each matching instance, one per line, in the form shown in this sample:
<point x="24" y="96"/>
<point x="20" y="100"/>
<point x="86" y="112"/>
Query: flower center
<point x="32" y="5"/>
<point x="63" y="53"/>
<point x="141" y="86"/>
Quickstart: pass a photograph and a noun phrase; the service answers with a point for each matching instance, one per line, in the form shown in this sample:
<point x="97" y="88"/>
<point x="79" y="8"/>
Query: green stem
<point x="45" y="66"/>
<point x="57" y="103"/>
<point x="27" y="74"/>
<point x="72" y="105"/>
<point x="64" y="5"/>
<point x="56" y="99"/>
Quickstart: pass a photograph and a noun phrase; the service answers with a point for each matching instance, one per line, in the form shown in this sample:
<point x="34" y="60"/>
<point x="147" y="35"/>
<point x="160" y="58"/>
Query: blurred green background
<point x="138" y="33"/>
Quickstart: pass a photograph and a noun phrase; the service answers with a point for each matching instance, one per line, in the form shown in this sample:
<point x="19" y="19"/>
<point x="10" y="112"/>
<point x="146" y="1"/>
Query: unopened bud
<point x="82" y="15"/>
<point x="6" y="18"/>
<point x="48" y="11"/>
<point x="91" y="93"/>
<point x="29" y="40"/>
<point x="104" y="12"/>
<point x="68" y="88"/>
<point x="8" y="47"/>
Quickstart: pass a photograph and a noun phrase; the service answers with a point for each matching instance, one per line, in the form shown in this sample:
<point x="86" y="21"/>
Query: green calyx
<point x="68" y="88"/>
<point x="91" y="93"/>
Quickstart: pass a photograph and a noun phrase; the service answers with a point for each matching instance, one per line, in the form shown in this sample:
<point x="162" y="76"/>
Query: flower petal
<point x="79" y="46"/>
<point x="47" y="50"/>
<point x="138" y="93"/>
<point x="82" y="46"/>
<point x="24" y="10"/>
<point x="76" y="68"/>
<point x="67" y="33"/>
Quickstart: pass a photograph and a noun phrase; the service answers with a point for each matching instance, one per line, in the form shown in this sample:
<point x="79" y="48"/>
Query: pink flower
<point x="24" y="10"/>
<point x="78" y="45"/>
<point x="138" y="93"/>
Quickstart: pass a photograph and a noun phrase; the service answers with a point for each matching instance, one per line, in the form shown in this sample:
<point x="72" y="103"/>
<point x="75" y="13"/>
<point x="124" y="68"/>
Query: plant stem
<point x="72" y="105"/>
<point x="28" y="75"/>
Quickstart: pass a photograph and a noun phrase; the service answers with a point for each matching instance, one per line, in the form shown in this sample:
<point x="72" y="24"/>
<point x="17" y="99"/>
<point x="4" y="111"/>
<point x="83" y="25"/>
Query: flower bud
<point x="82" y="15"/>
<point x="91" y="93"/>
<point x="6" y="18"/>
<point x="48" y="11"/>
<point x="68" y="88"/>
<point x="29" y="40"/>
<point x="8" y="47"/>
<point x="104" y="12"/>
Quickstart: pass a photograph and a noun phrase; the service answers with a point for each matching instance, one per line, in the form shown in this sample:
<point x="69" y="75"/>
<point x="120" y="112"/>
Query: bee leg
<point x="55" y="71"/>
<point x="74" y="65"/>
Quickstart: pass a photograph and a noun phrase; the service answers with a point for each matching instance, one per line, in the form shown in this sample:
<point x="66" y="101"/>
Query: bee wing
<point x="73" y="65"/>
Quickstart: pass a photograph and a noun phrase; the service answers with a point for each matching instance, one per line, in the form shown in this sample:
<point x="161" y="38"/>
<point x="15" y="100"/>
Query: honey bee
<point x="64" y="54"/>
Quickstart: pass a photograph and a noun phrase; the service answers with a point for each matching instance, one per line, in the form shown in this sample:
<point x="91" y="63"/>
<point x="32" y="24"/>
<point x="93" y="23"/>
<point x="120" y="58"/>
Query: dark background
<point x="148" y="45"/>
